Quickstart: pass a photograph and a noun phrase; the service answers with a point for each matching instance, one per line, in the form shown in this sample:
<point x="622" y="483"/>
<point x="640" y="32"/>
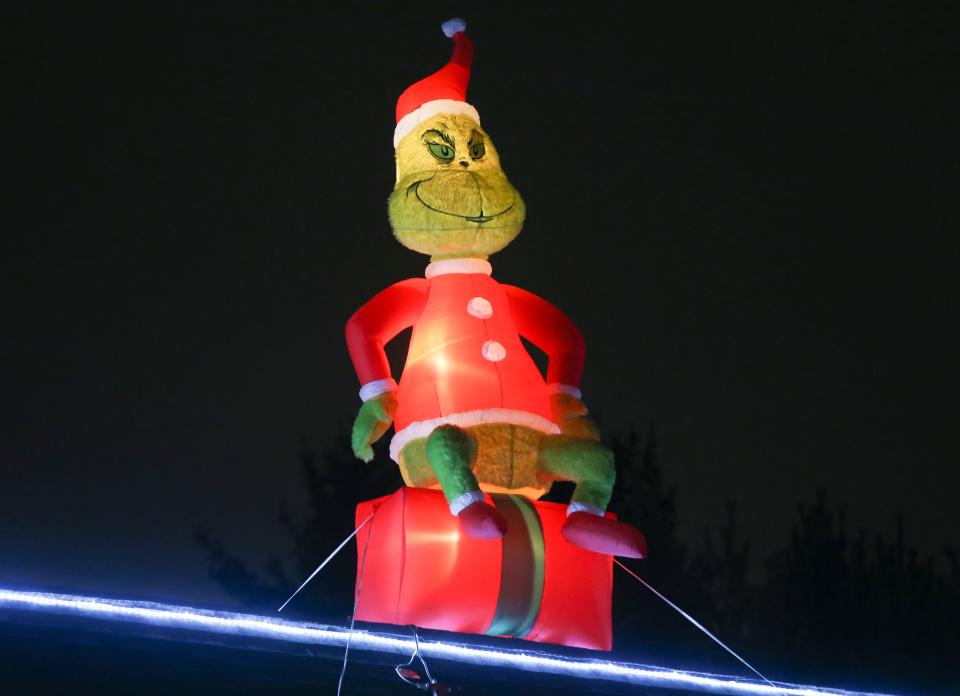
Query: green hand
<point x="373" y="420"/>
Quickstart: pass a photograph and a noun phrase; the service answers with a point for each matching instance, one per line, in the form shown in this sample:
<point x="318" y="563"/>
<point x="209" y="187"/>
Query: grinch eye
<point x="477" y="150"/>
<point x="441" y="151"/>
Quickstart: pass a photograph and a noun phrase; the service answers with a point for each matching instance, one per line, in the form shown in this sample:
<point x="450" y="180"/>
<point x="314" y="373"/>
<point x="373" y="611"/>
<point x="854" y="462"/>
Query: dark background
<point x="745" y="206"/>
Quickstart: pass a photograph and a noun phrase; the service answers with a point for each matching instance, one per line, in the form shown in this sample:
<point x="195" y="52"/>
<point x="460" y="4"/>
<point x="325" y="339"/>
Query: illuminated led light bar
<point x="253" y="626"/>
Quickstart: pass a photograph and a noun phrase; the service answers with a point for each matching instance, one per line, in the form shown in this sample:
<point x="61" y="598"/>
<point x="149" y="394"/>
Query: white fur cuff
<point x="376" y="388"/>
<point x="465" y="500"/>
<point x="584" y="507"/>
<point x="558" y="388"/>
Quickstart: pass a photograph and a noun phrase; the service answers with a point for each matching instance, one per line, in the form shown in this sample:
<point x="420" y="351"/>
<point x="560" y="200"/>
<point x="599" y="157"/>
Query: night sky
<point x="743" y="205"/>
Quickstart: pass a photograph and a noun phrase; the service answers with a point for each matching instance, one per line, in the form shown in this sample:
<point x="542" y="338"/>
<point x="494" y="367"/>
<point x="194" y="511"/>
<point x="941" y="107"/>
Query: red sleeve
<point x="372" y="326"/>
<point x="552" y="332"/>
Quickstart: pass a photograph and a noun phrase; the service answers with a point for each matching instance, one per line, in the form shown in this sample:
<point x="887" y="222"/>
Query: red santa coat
<point x="466" y="363"/>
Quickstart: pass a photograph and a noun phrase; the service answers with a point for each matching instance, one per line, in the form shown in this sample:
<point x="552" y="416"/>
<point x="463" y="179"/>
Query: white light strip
<point x="227" y="623"/>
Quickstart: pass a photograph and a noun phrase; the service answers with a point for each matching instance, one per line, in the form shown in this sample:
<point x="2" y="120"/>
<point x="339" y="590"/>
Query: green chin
<point x="434" y="233"/>
<point x="473" y="240"/>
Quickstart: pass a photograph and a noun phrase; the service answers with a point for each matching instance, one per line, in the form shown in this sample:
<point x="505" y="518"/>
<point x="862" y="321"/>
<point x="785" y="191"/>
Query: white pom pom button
<point x="480" y="308"/>
<point x="493" y="351"/>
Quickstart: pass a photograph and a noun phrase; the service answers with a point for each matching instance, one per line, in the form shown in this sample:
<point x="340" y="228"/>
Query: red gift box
<point x="421" y="569"/>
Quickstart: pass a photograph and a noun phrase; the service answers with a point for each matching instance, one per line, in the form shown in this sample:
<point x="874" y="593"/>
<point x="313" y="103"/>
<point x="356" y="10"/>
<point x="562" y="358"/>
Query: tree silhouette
<point x="861" y="609"/>
<point x="332" y="489"/>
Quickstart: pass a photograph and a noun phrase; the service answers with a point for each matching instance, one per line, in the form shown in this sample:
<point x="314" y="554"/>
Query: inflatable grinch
<point x="472" y="413"/>
<point x="480" y="433"/>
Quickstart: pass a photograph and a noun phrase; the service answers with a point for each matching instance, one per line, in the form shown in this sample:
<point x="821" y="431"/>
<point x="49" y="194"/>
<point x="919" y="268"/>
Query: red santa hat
<point x="443" y="92"/>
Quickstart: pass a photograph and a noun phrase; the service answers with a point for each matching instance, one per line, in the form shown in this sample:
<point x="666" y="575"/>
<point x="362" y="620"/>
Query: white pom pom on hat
<point x="452" y="26"/>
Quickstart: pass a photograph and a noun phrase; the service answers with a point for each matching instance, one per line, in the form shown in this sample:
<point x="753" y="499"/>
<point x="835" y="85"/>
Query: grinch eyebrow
<point x="443" y="135"/>
<point x="475" y="137"/>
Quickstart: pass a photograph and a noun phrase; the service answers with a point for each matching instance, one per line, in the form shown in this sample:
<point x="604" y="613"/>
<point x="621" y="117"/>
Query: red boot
<point x="482" y="521"/>
<point x="604" y="535"/>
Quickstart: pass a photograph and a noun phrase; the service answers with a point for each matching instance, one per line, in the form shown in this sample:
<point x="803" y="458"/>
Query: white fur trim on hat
<point x="466" y="418"/>
<point x="429" y="110"/>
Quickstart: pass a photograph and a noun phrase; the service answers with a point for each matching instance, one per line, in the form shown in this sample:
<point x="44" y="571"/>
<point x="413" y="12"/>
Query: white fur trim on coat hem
<point x="429" y="110"/>
<point x="466" y="418"/>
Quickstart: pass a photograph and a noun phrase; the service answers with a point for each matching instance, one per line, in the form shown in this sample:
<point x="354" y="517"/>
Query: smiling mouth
<point x="414" y="188"/>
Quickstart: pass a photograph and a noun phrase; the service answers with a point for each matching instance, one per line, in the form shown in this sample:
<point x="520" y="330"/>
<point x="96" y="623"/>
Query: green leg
<point x="451" y="452"/>
<point x="588" y="463"/>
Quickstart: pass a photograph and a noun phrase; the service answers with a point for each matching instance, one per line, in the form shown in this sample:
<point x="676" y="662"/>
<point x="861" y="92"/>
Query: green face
<point x="452" y="199"/>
